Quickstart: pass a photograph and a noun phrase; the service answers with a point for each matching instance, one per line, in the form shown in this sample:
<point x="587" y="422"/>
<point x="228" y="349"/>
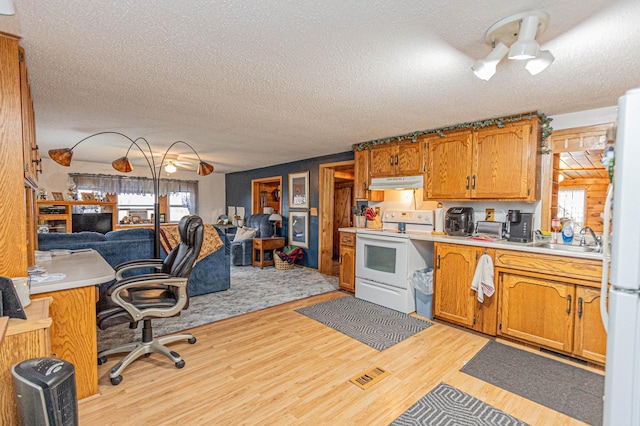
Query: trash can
<point x="423" y="284"/>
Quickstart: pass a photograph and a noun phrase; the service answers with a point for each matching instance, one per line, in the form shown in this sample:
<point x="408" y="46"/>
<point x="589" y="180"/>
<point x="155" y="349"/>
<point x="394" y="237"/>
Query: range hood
<point x="401" y="182"/>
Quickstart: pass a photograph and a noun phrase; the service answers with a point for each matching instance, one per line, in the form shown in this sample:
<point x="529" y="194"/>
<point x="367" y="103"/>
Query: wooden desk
<point x="73" y="311"/>
<point x="24" y="339"/>
<point x="262" y="245"/>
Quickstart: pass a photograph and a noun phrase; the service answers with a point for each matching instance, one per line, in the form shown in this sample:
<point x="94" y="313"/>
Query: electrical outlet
<point x="489" y="215"/>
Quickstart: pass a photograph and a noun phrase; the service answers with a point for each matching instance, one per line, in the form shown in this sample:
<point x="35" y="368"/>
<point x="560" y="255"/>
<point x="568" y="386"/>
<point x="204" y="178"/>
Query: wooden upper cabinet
<point x="403" y="159"/>
<point x="448" y="160"/>
<point x="504" y="162"/>
<point x="31" y="154"/>
<point x="492" y="163"/>
<point x="361" y="178"/>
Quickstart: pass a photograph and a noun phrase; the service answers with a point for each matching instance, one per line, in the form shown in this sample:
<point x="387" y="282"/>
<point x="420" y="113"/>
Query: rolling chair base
<point x="138" y="349"/>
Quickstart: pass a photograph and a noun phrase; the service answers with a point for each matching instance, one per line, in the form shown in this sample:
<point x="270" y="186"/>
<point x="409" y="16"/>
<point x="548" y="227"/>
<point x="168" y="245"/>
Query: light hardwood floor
<point x="278" y="367"/>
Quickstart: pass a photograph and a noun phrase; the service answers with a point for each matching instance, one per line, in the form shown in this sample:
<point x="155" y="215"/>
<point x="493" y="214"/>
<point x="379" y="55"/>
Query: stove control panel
<point x="421" y="217"/>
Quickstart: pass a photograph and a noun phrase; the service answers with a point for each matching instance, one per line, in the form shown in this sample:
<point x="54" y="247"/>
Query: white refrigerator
<point x="622" y="370"/>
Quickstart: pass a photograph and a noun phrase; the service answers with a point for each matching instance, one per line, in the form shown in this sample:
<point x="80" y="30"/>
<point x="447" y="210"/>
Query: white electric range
<point x="387" y="258"/>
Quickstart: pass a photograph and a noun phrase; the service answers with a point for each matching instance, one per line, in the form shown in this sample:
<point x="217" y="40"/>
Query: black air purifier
<point x="45" y="391"/>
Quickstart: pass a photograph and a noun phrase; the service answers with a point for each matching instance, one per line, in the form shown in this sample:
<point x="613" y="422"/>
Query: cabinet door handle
<point x="473" y="185"/>
<point x="391" y="160"/>
<point x="438" y="263"/>
<point x="568" y="303"/>
<point x="467" y="182"/>
<point x="396" y="159"/>
<point x="341" y="259"/>
<point x="579" y="307"/>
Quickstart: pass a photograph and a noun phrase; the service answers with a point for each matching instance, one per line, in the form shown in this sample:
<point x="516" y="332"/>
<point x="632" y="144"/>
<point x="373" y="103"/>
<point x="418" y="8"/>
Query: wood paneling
<point x="341" y="213"/>
<point x="596" y="194"/>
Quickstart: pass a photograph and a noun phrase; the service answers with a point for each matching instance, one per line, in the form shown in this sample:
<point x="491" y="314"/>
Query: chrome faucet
<point x="596" y="239"/>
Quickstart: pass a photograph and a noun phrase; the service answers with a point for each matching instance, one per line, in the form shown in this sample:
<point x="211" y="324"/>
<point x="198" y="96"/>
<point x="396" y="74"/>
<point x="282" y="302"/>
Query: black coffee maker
<point x="520" y="225"/>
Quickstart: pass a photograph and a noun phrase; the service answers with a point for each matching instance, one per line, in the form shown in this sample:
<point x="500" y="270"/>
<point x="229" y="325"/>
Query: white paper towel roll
<point x="439" y="220"/>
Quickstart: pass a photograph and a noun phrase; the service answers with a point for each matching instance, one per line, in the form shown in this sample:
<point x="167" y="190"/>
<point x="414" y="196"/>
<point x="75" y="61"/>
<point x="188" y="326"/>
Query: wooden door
<point x="449" y="166"/>
<point x="501" y="162"/>
<point x="348" y="261"/>
<point x="341" y="213"/>
<point x="537" y="310"/>
<point x="361" y="174"/>
<point x="410" y="159"/>
<point x="453" y="299"/>
<point x="590" y="341"/>
<point x="383" y="161"/>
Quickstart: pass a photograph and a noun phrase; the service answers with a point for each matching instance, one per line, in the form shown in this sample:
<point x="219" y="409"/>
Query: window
<point x="140" y="205"/>
<point x="572" y="204"/>
<point x="179" y="205"/>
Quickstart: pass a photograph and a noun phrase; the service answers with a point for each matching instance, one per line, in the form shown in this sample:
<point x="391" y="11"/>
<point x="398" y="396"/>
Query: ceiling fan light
<point x="122" y="164"/>
<point x="485" y="68"/>
<point x="61" y="156"/>
<point x="170" y="168"/>
<point x="205" y="169"/>
<point x="526" y="47"/>
<point x="540" y="62"/>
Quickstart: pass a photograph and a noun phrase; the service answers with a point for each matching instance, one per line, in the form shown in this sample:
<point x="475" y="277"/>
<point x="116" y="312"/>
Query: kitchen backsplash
<point x="412" y="200"/>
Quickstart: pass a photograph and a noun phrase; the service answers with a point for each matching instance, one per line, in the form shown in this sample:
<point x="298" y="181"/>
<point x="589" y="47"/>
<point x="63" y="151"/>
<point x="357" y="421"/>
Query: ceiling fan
<point x="172" y="162"/>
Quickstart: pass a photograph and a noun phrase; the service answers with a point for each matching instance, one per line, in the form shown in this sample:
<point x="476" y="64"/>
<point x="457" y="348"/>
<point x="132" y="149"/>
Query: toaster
<point x="459" y="221"/>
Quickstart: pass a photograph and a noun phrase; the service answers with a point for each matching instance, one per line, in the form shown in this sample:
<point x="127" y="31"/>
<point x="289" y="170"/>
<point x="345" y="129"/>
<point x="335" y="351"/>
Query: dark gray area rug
<point x="446" y="405"/>
<point x="562" y="387"/>
<point x="371" y="324"/>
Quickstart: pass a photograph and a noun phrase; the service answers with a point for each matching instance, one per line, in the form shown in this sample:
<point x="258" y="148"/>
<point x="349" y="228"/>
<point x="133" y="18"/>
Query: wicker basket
<point x="279" y="263"/>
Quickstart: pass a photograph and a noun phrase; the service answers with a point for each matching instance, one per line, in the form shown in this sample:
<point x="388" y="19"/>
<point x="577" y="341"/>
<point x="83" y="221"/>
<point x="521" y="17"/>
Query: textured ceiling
<point x="263" y="82"/>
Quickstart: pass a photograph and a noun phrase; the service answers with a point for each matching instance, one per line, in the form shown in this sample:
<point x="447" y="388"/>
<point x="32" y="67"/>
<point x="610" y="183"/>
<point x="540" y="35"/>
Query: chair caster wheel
<point x="102" y="360"/>
<point x="192" y="340"/>
<point x="180" y="364"/>
<point x="116" y="380"/>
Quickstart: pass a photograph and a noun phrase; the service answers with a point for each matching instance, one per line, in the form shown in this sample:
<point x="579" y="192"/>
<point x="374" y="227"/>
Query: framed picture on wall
<point x="299" y="229"/>
<point x="299" y="190"/>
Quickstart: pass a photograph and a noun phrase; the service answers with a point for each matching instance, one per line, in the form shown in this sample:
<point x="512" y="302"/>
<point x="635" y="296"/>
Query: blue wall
<point x="238" y="193"/>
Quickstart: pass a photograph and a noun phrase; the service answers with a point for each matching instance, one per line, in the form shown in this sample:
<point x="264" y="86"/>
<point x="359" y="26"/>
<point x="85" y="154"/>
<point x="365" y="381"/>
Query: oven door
<point x="382" y="259"/>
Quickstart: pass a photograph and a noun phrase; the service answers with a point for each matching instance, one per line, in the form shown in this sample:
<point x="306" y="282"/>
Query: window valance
<point x="112" y="184"/>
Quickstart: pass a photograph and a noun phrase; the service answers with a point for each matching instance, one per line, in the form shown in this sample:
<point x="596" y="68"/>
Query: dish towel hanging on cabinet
<point x="483" y="278"/>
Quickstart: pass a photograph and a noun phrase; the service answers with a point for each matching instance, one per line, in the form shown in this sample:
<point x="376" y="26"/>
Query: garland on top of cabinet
<point x="500" y="121"/>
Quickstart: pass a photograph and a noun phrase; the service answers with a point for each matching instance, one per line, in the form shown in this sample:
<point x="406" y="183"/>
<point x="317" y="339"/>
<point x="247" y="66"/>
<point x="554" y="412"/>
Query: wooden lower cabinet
<point x="453" y="299"/>
<point x="348" y="261"/>
<point x="554" y="314"/>
<point x="537" y="310"/>
<point x="590" y="338"/>
<point x="73" y="334"/>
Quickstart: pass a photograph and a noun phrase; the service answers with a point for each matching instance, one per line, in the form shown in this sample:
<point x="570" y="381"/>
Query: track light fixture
<point x="520" y="32"/>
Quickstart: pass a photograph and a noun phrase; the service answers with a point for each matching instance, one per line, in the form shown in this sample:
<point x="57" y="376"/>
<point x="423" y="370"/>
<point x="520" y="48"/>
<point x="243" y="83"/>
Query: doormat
<point x="446" y="405"/>
<point x="371" y="324"/>
<point x="562" y="387"/>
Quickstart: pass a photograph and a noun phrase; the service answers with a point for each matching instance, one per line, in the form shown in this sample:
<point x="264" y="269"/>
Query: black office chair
<point x="154" y="295"/>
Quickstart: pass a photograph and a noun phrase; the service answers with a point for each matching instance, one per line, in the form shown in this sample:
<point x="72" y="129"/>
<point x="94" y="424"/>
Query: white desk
<point x="73" y="311"/>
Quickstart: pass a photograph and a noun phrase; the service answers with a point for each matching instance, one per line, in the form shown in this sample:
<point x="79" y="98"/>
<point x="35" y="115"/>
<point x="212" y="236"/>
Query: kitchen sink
<point x="567" y="247"/>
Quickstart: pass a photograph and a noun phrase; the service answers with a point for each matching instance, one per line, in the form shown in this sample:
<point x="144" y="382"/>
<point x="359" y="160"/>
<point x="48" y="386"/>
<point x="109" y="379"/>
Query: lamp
<point x="63" y="157"/>
<point x="274" y="218"/>
<point x="486" y="68"/>
<point x="170" y="168"/>
<point x="520" y="32"/>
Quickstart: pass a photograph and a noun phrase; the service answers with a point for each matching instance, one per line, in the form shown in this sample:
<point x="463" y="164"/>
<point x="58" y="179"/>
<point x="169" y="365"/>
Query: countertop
<point x="500" y="244"/>
<point x="82" y="269"/>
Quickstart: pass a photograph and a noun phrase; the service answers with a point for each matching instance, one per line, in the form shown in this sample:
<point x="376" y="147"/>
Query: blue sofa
<point x="209" y="275"/>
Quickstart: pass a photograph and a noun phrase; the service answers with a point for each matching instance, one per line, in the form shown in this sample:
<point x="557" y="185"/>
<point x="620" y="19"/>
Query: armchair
<point x="242" y="251"/>
<point x="156" y="295"/>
